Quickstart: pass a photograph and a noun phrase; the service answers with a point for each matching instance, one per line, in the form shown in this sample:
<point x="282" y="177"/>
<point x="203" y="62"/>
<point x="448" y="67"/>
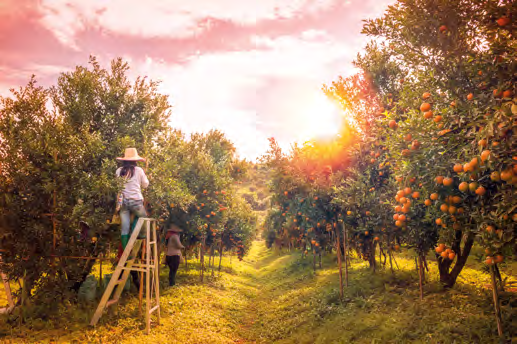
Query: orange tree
<point x="57" y="173"/>
<point x="465" y="71"/>
<point x="453" y="121"/>
<point x="193" y="189"/>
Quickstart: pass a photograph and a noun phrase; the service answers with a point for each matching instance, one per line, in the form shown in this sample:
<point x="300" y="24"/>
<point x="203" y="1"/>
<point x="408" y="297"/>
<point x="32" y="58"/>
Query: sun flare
<point x="319" y="118"/>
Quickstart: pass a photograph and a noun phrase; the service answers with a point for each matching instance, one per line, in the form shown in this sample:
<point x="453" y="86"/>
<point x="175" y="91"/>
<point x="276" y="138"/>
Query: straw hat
<point x="131" y="155"/>
<point x="174" y="228"/>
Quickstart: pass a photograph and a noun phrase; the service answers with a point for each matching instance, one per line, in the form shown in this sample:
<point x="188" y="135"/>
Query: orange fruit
<point x="376" y="239"/>
<point x="458" y="168"/>
<point x="425" y="107"/>
<point x="503" y="21"/>
<point x="398" y="223"/>
<point x="426" y="95"/>
<point x="474" y="162"/>
<point x="402" y="217"/>
<point x="498" y="259"/>
<point x="497" y="93"/>
<point x="427" y="202"/>
<point x="393" y="124"/>
<point x="444" y="254"/>
<point x="428" y="115"/>
<point x="473" y="186"/>
<point x="470" y="96"/>
<point x="490" y="229"/>
<point x="434" y="196"/>
<point x="484" y="155"/>
<point x="452" y="255"/>
<point x="408" y="137"/>
<point x="439" y="179"/>
<point x="453" y="103"/>
<point x="507" y="94"/>
<point x="405" y="209"/>
<point x="368" y="213"/>
<point x="483" y="143"/>
<point x="468" y="167"/>
<point x="461" y="210"/>
<point x="489" y="260"/>
<point x="402" y="199"/>
<point x="452" y="210"/>
<point x="407" y="191"/>
<point x="480" y="191"/>
<point x="438" y="222"/>
<point x="416" y="194"/>
<point x="395" y="217"/>
<point x="442" y="29"/>
<point x="456" y="199"/>
<point x="447" y="181"/>
<point x="444" y="207"/>
<point x="507" y="175"/>
<point x="438" y="119"/>
<point x="285" y="193"/>
<point x="398" y="208"/>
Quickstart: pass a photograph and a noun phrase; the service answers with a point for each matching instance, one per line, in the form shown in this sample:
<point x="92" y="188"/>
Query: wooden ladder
<point x="126" y="264"/>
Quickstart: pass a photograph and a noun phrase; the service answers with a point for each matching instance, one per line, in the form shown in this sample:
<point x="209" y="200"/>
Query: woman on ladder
<point x="131" y="200"/>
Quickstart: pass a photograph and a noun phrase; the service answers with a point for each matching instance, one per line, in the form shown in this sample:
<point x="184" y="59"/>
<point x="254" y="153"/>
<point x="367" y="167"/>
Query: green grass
<point x="274" y="297"/>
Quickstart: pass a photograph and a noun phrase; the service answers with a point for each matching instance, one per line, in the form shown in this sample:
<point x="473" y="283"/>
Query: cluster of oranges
<point x="444" y="252"/>
<point x="404" y="196"/>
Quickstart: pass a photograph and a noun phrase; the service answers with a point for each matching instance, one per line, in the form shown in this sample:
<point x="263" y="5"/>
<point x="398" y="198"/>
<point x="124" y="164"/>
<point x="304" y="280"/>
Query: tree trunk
<point x="448" y="278"/>
<point x="313" y="258"/>
<point x="202" y="258"/>
<point x="389" y="254"/>
<point x="220" y="254"/>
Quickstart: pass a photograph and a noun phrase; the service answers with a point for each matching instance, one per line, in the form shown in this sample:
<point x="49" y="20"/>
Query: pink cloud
<point x="252" y="69"/>
<point x="163" y="18"/>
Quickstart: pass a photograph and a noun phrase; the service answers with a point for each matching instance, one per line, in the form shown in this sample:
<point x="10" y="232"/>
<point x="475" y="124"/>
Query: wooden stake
<point x="497" y="307"/>
<point x="345" y="254"/>
<point x="421" y="273"/>
<point x="338" y="248"/>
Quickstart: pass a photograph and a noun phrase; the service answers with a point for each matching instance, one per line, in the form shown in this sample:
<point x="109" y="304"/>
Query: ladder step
<point x="121" y="281"/>
<point x="154" y="308"/>
<point x="135" y="269"/>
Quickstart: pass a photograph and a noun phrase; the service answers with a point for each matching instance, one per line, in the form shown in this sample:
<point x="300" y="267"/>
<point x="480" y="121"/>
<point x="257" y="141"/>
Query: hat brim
<point x="131" y="159"/>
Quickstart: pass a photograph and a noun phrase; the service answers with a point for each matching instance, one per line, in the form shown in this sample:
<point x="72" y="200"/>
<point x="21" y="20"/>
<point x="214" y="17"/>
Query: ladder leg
<point x="156" y="274"/>
<point x="148" y="280"/>
<point x="115" y="277"/>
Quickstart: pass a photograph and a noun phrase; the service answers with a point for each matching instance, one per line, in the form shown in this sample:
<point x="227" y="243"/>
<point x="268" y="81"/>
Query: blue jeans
<point x="130" y="206"/>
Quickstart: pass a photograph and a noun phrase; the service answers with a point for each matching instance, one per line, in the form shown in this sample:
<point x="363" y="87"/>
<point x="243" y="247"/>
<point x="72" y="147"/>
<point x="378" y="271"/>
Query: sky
<point x="250" y="68"/>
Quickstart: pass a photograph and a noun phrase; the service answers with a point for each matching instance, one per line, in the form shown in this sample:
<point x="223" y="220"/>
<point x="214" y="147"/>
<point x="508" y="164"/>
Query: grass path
<point x="273" y="297"/>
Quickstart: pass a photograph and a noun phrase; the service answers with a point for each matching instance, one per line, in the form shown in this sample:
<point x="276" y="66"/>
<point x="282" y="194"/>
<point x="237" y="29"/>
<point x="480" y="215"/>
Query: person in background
<point x="173" y="253"/>
<point x="131" y="200"/>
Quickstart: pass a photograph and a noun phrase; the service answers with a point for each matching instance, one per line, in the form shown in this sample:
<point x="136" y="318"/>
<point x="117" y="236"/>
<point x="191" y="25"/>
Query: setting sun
<point x="318" y="117"/>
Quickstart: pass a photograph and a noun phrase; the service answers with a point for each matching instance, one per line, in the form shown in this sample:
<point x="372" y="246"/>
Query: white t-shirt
<point x="133" y="187"/>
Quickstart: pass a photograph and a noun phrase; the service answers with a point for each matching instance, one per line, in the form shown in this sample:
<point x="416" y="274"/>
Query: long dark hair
<point x="128" y="169"/>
